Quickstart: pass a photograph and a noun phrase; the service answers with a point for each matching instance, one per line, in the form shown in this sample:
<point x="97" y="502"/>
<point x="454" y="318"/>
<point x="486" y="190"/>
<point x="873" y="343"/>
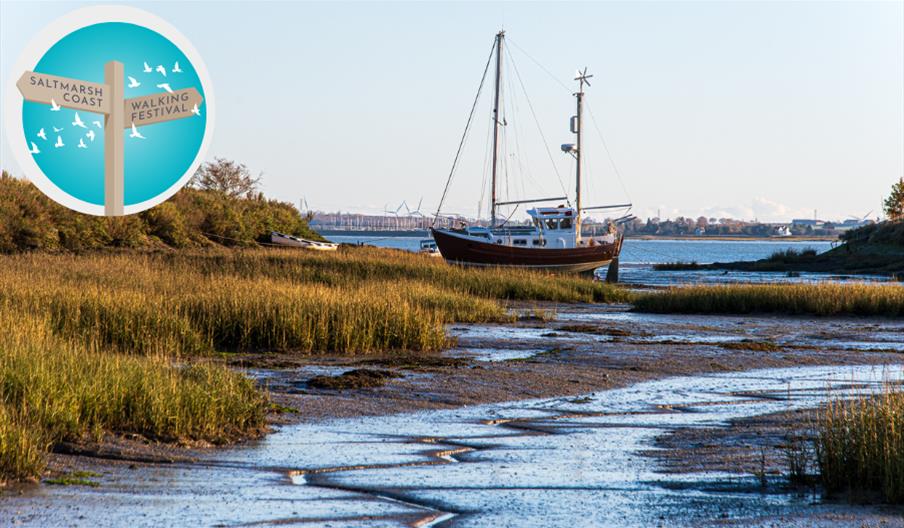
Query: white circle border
<point x="36" y="49"/>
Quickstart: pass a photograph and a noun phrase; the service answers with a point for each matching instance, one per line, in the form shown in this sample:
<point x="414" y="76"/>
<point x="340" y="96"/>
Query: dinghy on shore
<point x="294" y="241"/>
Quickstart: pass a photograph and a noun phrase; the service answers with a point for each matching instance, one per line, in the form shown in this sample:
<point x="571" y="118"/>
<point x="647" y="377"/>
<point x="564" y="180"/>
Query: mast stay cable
<point x="464" y="136"/>
<point x="537" y="122"/>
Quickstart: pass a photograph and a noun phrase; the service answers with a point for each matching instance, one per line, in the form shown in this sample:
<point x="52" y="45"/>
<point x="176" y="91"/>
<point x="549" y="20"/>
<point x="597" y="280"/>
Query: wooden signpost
<point x="119" y="114"/>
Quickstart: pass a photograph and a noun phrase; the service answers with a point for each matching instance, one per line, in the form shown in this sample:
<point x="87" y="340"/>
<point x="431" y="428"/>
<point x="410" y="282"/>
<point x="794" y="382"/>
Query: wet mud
<point x="532" y="424"/>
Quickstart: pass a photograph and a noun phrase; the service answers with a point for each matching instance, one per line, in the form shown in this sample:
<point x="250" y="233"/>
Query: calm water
<point x="647" y="251"/>
<point x="638" y="256"/>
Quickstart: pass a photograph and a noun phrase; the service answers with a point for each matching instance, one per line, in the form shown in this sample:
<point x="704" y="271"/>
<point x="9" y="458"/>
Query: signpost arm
<point x="114" y="140"/>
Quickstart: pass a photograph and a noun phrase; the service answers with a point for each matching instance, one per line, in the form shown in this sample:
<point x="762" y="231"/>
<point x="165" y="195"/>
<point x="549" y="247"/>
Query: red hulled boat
<point x="554" y="239"/>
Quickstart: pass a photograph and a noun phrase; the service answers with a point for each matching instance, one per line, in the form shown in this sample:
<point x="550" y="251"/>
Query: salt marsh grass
<point x="119" y="342"/>
<point x="860" y="445"/>
<point x="53" y="390"/>
<point x="360" y="300"/>
<point x="822" y="299"/>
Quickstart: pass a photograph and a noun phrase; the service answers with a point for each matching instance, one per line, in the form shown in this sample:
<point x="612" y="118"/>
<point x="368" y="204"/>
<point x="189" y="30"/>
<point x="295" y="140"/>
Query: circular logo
<point x="112" y="110"/>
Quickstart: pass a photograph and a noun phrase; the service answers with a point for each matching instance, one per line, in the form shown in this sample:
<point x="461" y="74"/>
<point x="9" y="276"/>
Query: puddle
<point x="495" y="354"/>
<point x="561" y="461"/>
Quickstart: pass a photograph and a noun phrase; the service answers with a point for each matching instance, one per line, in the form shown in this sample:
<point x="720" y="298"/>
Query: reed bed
<point x="860" y="445"/>
<point x="361" y="300"/>
<point x="822" y="299"/>
<point x="54" y="390"/>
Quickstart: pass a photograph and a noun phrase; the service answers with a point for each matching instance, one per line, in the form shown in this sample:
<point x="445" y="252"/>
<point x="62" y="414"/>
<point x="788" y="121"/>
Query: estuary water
<point x="638" y="257"/>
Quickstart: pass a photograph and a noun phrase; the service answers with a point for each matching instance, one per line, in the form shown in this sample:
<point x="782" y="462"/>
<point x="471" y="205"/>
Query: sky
<point x="752" y="110"/>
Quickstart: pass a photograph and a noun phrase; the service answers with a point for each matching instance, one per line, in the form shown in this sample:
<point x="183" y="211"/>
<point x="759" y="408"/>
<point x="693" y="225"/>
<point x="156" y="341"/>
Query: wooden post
<point x="114" y="140"/>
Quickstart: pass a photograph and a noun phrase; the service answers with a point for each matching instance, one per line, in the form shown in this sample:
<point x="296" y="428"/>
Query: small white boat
<point x="428" y="247"/>
<point x="294" y="241"/>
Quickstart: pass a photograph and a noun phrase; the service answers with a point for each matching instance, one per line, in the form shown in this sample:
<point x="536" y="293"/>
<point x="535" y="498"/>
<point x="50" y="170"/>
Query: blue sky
<point x="747" y="109"/>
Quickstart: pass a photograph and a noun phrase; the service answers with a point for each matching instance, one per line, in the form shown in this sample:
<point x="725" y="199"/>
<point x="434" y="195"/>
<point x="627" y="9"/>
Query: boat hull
<point x="461" y="249"/>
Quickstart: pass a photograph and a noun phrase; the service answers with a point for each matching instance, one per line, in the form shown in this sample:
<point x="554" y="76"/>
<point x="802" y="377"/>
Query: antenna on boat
<point x="576" y="128"/>
<point x="500" y="37"/>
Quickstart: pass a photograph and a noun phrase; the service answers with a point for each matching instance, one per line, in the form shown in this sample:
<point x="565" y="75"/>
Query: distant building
<point x="782" y="231"/>
<point x="700" y="231"/>
<point x="852" y="223"/>
<point x="807" y="222"/>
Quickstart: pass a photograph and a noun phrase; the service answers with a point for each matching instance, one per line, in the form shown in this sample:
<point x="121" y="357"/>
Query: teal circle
<point x="152" y="165"/>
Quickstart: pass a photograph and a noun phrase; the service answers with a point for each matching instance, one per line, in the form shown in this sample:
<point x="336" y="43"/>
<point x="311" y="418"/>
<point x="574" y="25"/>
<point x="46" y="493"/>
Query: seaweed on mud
<point x="596" y="330"/>
<point x="416" y="362"/>
<point x="354" y="379"/>
<point x="755" y="346"/>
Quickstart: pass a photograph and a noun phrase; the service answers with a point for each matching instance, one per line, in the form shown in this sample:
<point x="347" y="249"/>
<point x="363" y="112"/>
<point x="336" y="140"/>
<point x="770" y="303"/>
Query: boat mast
<point x="496" y="124"/>
<point x="577" y="128"/>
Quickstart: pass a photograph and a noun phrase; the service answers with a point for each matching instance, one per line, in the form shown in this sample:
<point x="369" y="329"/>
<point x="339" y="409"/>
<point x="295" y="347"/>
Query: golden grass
<point x="52" y="390"/>
<point x="193" y="303"/>
<point x="860" y="445"/>
<point x="99" y="343"/>
<point x="817" y="299"/>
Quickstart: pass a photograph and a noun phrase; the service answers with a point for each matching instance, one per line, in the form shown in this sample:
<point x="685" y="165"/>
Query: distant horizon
<point x="715" y="109"/>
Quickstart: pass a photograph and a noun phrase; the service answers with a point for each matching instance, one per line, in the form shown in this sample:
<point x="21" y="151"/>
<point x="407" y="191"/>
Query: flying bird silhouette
<point x="78" y="121"/>
<point x="97" y="124"/>
<point x="90" y="135"/>
<point x="59" y="142"/>
<point x="135" y="133"/>
<point x="55" y="129"/>
<point x="42" y="134"/>
<point x="147" y="69"/>
<point x="133" y="82"/>
<point x="176" y="68"/>
<point x="53" y="106"/>
<point x="165" y="86"/>
<point x="195" y="110"/>
<point x="161" y="69"/>
<point x="34" y="149"/>
<point x="81" y="143"/>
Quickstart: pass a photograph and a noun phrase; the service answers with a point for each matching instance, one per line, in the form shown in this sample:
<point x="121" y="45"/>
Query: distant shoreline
<point x="728" y="238"/>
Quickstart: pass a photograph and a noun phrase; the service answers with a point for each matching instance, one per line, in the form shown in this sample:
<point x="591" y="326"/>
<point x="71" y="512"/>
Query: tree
<point x="894" y="204"/>
<point x="227" y="177"/>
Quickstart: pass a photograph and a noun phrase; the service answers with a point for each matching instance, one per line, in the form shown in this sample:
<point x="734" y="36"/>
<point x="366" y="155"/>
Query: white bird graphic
<point x="78" y="121"/>
<point x="147" y="69"/>
<point x="90" y="135"/>
<point x="195" y="110"/>
<point x="81" y="143"/>
<point x="176" y="68"/>
<point x="161" y="69"/>
<point x="59" y="142"/>
<point x="42" y="134"/>
<point x="55" y="129"/>
<point x="133" y="82"/>
<point x="53" y="106"/>
<point x="135" y="133"/>
<point x="34" y="149"/>
<point x="166" y="87"/>
<point x="97" y="124"/>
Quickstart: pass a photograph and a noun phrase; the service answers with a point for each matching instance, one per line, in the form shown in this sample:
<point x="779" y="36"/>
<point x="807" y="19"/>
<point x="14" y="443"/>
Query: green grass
<point x="860" y="446"/>
<point x="119" y="342"/>
<point x="359" y="300"/>
<point x="54" y="390"/>
<point x="822" y="299"/>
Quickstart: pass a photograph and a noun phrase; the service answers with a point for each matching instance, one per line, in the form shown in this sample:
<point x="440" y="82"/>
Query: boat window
<point x="519" y="242"/>
<point x="552" y="223"/>
<point x="499" y="241"/>
<point x="538" y="242"/>
<point x="566" y="223"/>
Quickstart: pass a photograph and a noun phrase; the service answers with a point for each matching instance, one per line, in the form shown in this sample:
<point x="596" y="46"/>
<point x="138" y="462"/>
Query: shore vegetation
<point x="823" y="299"/>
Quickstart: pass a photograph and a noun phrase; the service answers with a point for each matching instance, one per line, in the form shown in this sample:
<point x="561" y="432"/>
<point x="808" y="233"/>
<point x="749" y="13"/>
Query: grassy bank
<point x="53" y="389"/>
<point x="860" y="446"/>
<point x="357" y="300"/>
<point x="116" y="342"/>
<point x="817" y="299"/>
